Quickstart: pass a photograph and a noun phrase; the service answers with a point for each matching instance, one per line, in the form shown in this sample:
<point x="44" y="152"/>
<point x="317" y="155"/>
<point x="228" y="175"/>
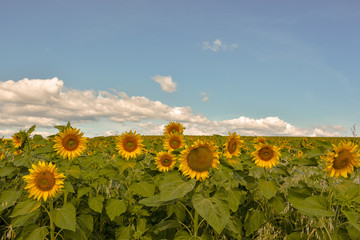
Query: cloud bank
<point x="48" y="102"/>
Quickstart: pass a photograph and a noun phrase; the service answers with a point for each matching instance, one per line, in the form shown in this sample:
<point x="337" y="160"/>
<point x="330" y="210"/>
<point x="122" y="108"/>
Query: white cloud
<point x="205" y="98"/>
<point x="218" y="45"/>
<point x="47" y="103"/>
<point x="166" y="83"/>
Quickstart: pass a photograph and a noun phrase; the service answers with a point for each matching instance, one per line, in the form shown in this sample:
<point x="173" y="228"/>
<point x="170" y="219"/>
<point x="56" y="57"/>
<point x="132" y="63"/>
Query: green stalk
<point x="52" y="227"/>
<point x="196" y="222"/>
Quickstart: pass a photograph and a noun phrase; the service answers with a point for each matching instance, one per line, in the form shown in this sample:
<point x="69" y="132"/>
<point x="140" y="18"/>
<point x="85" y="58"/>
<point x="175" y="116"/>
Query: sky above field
<point x="274" y="68"/>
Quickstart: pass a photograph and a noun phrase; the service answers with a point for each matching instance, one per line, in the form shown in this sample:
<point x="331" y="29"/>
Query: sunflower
<point x="197" y="159"/>
<point x="165" y="161"/>
<point x="343" y="160"/>
<point x="173" y="141"/>
<point x="70" y="143"/>
<point x="44" y="181"/>
<point x="18" y="140"/>
<point x="174" y="127"/>
<point x="259" y="140"/>
<point x="266" y="155"/>
<point x="129" y="144"/>
<point x="232" y="146"/>
<point x="2" y="155"/>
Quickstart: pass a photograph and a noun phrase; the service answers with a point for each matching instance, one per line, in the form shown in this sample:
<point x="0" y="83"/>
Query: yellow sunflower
<point x="197" y="159"/>
<point x="44" y="181"/>
<point x="165" y="161"/>
<point x="70" y="143"/>
<point x="173" y="141"/>
<point x="174" y="127"/>
<point x="266" y="156"/>
<point x="232" y="146"/>
<point x="17" y="140"/>
<point x="343" y="160"/>
<point x="259" y="140"/>
<point x="2" y="155"/>
<point x="129" y="144"/>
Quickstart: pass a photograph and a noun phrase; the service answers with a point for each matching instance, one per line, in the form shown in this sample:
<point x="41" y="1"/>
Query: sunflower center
<point x="266" y="154"/>
<point x="45" y="181"/>
<point x="130" y="145"/>
<point x="200" y="159"/>
<point x="70" y="142"/>
<point x="166" y="161"/>
<point x="232" y="146"/>
<point x="342" y="160"/>
<point x="174" y="143"/>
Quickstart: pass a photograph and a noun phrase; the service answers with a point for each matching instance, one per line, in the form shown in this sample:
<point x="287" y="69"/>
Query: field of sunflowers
<point x="175" y="186"/>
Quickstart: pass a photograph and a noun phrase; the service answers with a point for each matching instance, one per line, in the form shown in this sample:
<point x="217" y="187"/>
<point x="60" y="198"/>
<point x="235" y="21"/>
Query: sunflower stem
<point x="196" y="220"/>
<point x="52" y="228"/>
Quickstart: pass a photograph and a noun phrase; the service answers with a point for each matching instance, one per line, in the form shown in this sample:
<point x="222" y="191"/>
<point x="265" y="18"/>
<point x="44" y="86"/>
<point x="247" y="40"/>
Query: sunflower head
<point x="129" y="144"/>
<point x="197" y="159"/>
<point x="44" y="181"/>
<point x="232" y="145"/>
<point x="174" y="127"/>
<point x="18" y="139"/>
<point x="342" y="160"/>
<point x="70" y="143"/>
<point x="173" y="141"/>
<point x="265" y="155"/>
<point x="259" y="140"/>
<point x="165" y="161"/>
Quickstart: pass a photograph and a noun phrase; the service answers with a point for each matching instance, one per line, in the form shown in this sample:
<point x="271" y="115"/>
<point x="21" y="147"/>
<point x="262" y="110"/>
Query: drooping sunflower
<point x="165" y="161"/>
<point x="173" y="141"/>
<point x="70" y="143"/>
<point x="44" y="181"/>
<point x="342" y="160"/>
<point x="266" y="156"/>
<point x="173" y="127"/>
<point x="197" y="159"/>
<point x="232" y="145"/>
<point x="129" y="144"/>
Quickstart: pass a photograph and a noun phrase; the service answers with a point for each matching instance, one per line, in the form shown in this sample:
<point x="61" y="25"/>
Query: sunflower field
<point x="175" y="186"/>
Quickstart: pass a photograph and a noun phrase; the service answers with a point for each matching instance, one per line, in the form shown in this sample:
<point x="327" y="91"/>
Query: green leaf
<point x="236" y="197"/>
<point x="68" y="187"/>
<point x="5" y="171"/>
<point x="315" y="152"/>
<point x="74" y="171"/>
<point x="86" y="222"/>
<point x="296" y="236"/>
<point x="96" y="203"/>
<point x="213" y="210"/>
<point x="23" y="208"/>
<point x="114" y="208"/>
<point x="253" y="221"/>
<point x="173" y="187"/>
<point x="277" y="203"/>
<point x="8" y="198"/>
<point x="353" y="232"/>
<point x="353" y="218"/>
<point x="305" y="162"/>
<point x="124" y="233"/>
<point x="143" y="189"/>
<point x="311" y="206"/>
<point x="163" y="225"/>
<point x="38" y="234"/>
<point x="38" y="139"/>
<point x="353" y="194"/>
<point x="82" y="191"/>
<point x="267" y="189"/>
<point x="31" y="129"/>
<point x="65" y="217"/>
<point x="25" y="220"/>
<point x="154" y="201"/>
<point x="182" y="235"/>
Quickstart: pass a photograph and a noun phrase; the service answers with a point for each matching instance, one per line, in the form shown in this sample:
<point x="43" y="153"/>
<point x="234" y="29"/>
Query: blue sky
<point x="287" y="68"/>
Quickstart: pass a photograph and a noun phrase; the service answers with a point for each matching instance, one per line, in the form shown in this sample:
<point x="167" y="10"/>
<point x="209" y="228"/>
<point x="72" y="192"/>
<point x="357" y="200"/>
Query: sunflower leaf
<point x="8" y="198"/>
<point x="253" y="221"/>
<point x="214" y="211"/>
<point x="65" y="217"/>
<point x="96" y="203"/>
<point x="114" y="208"/>
<point x="267" y="189"/>
<point x="38" y="234"/>
<point x="173" y="187"/>
<point x="143" y="189"/>
<point x="23" y="208"/>
<point x="353" y="218"/>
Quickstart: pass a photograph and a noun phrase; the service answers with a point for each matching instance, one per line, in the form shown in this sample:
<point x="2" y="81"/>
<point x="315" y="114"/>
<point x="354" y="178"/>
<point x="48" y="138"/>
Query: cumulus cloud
<point x="218" y="45"/>
<point x="166" y="83"/>
<point x="47" y="103"/>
